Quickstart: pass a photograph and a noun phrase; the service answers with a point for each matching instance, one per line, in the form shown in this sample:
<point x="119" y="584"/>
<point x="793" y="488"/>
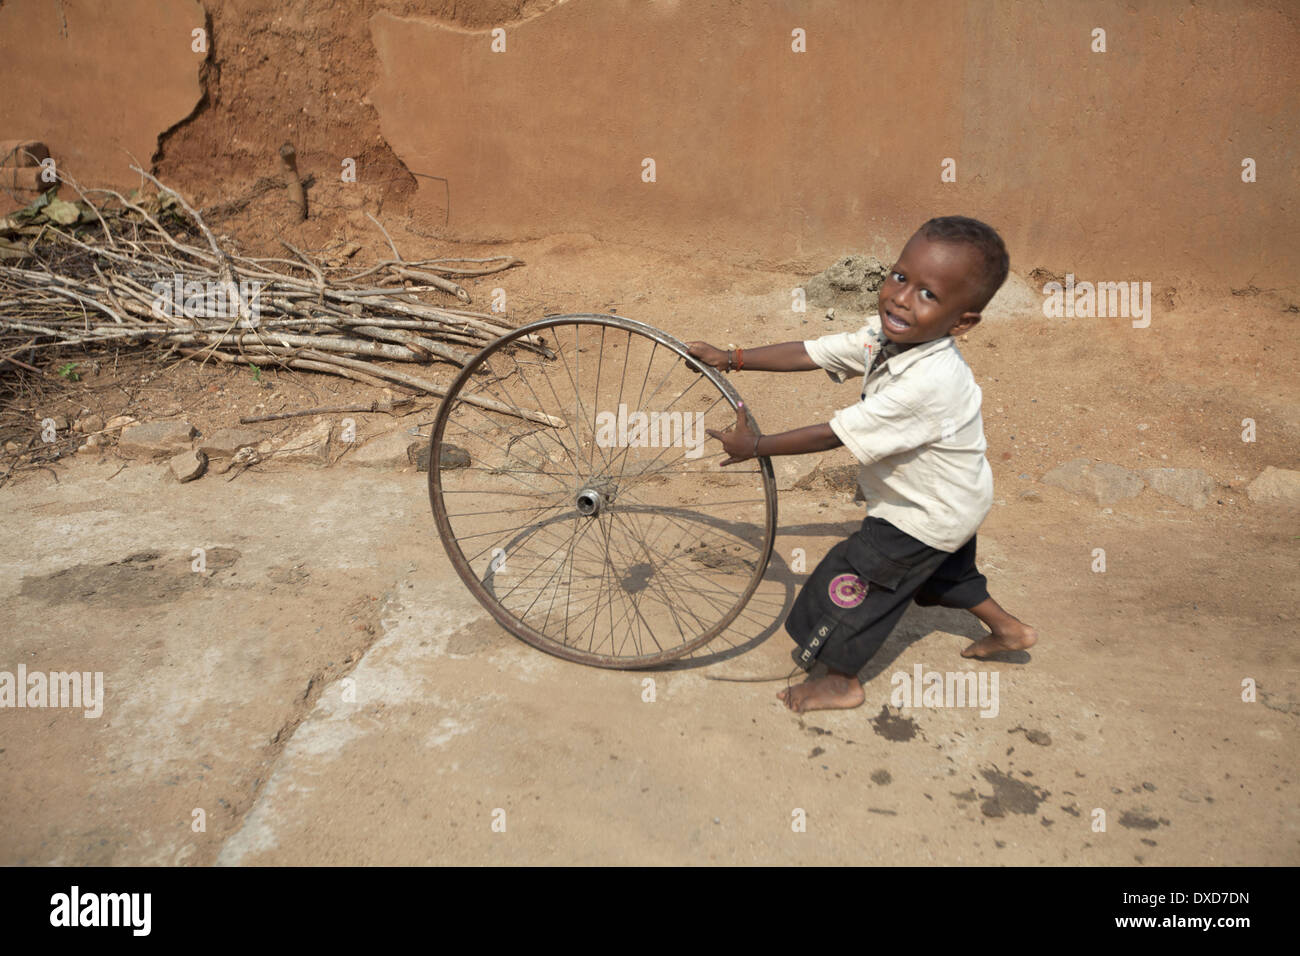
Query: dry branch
<point x="113" y="271"/>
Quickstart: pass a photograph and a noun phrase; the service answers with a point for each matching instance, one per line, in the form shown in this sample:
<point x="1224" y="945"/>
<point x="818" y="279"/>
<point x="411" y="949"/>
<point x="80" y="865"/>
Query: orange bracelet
<point x="740" y="359"/>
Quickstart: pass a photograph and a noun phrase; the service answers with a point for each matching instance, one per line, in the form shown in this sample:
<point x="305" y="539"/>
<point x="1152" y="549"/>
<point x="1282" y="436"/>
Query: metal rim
<point x="594" y="491"/>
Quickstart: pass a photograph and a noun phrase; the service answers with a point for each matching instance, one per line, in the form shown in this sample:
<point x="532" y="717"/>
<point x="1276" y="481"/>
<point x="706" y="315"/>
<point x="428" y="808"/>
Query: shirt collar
<point x="898" y="363"/>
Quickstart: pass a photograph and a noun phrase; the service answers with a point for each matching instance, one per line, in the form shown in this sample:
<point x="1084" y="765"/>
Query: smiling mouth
<point x="894" y="323"/>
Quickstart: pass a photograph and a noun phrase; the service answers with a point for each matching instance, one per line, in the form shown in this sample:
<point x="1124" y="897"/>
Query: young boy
<point x="918" y="433"/>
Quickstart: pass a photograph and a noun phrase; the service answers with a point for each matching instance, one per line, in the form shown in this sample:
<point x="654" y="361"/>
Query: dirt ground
<point x="327" y="691"/>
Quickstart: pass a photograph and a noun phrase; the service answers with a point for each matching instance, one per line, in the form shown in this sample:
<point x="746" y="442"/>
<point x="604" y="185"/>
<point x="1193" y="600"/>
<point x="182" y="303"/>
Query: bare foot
<point x="833" y="691"/>
<point x="1012" y="636"/>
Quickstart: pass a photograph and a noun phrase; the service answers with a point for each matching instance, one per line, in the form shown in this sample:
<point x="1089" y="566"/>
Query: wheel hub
<point x="595" y="495"/>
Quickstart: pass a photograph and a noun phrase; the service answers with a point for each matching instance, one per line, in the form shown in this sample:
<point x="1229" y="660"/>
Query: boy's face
<point x="930" y="291"/>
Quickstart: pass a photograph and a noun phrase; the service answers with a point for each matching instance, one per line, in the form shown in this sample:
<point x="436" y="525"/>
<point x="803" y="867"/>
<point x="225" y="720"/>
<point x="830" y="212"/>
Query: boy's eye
<point x="897" y="276"/>
<point x="927" y="292"/>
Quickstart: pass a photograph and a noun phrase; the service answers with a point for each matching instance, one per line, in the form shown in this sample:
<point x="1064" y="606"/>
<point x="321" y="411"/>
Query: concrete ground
<point x="327" y="692"/>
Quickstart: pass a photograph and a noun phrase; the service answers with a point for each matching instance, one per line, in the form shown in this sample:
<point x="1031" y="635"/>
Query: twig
<point x="397" y="255"/>
<point x="385" y="407"/>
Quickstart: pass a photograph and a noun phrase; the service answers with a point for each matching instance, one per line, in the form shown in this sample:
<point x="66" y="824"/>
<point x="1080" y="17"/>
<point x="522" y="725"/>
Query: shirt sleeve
<point x="839" y="354"/>
<point x="883" y="425"/>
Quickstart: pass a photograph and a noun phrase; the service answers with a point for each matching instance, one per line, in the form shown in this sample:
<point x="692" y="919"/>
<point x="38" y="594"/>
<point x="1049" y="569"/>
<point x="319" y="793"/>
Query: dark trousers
<point x="854" y="597"/>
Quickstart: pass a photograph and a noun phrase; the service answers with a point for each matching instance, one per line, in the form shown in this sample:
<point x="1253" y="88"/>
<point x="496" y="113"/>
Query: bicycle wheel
<point x="592" y="519"/>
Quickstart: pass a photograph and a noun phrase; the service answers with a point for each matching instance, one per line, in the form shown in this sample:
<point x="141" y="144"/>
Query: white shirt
<point x="917" y="431"/>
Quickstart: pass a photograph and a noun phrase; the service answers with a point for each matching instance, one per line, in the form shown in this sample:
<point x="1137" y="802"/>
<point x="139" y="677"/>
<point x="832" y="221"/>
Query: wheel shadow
<point x="757" y="623"/>
<point x="764" y="614"/>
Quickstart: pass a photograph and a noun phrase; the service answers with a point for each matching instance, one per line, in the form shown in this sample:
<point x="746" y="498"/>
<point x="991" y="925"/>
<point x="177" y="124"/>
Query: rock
<point x="855" y="273"/>
<point x="848" y="283"/>
<point x="310" y="447"/>
<point x="1275" y="486"/>
<point x="1187" y="486"/>
<point x="452" y="456"/>
<point x="1100" y="481"/>
<point x="188" y="465"/>
<point x="383" y="451"/>
<point x="1031" y="495"/>
<point x="835" y="477"/>
<point x="88" y="425"/>
<point x="224" y="442"/>
<point x="791" y="469"/>
<point x="120" y="421"/>
<point x="12" y="446"/>
<point x="156" y="439"/>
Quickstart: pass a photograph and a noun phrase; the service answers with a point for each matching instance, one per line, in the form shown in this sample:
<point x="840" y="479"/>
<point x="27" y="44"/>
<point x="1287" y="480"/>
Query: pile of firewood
<point x="92" y="269"/>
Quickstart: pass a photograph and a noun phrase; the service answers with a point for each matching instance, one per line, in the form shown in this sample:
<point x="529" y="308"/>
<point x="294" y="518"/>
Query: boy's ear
<point x="963" y="325"/>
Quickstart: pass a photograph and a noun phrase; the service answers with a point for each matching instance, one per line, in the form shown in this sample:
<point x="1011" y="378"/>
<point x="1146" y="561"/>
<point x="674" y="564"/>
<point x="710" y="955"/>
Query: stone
<point x="452" y="456"/>
<point x="1275" y="486"/>
<point x="88" y="424"/>
<point x="792" y="469"/>
<point x="849" y="283"/>
<point x="310" y="447"/>
<point x="1031" y="495"/>
<point x="386" y="451"/>
<point x="224" y="442"/>
<point x="155" y="439"/>
<point x="1102" y="482"/>
<point x="834" y="477"/>
<point x="188" y="465"/>
<point x="1191" y="487"/>
<point x="117" y="422"/>
<point x="854" y="273"/>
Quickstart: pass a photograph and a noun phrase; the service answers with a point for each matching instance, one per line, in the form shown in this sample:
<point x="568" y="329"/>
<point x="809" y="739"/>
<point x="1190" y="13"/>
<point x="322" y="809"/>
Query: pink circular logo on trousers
<point x="848" y="590"/>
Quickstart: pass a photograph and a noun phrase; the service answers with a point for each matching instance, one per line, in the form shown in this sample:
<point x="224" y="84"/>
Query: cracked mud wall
<point x="1117" y="165"/>
<point x="98" y="82"/>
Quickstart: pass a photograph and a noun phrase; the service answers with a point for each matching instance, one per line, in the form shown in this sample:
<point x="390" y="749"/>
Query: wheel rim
<point x="600" y="535"/>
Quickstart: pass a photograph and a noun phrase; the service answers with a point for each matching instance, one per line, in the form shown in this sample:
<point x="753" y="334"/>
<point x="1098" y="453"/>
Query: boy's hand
<point x="707" y="354"/>
<point x="738" y="442"/>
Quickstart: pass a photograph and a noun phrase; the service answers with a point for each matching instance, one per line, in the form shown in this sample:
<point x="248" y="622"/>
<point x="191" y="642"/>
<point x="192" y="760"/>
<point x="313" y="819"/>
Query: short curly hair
<point x="986" y="241"/>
